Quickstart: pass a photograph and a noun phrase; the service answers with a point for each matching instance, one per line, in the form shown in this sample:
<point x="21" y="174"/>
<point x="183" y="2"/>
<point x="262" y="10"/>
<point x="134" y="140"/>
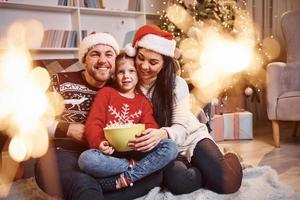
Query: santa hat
<point x="153" y="38"/>
<point x="94" y="39"/>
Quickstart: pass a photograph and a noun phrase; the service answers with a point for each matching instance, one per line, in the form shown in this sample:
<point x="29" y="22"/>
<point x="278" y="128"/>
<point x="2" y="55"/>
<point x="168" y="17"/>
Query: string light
<point x="225" y="14"/>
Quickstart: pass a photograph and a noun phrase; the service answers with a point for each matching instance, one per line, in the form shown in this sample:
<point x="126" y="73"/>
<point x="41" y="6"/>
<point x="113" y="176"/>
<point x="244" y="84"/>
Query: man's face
<point x="100" y="62"/>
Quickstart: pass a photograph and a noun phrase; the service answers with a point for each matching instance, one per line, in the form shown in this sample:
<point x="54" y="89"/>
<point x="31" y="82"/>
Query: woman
<point x="200" y="163"/>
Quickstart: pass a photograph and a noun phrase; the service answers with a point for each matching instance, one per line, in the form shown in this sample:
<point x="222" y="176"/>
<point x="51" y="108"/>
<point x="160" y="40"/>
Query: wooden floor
<point x="260" y="151"/>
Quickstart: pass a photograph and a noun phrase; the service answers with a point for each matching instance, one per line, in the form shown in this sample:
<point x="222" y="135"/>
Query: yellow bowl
<point x="119" y="137"/>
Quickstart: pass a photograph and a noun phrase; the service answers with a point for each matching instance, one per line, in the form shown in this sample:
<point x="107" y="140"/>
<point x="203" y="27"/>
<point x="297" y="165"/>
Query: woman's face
<point x="148" y="64"/>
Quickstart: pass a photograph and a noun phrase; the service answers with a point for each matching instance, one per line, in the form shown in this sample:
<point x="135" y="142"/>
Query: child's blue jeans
<point x="97" y="164"/>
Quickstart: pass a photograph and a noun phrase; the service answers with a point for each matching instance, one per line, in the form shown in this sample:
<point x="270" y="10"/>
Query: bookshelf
<point x="118" y="17"/>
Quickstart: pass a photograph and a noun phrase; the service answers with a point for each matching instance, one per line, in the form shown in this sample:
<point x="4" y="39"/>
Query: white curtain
<point x="267" y="13"/>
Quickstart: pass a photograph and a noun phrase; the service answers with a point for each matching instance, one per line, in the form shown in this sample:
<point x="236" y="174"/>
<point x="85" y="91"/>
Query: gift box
<point x="217" y="126"/>
<point x="232" y="126"/>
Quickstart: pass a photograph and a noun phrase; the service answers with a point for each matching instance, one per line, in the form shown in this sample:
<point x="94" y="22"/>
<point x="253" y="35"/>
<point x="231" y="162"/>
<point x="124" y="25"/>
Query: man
<point x="57" y="173"/>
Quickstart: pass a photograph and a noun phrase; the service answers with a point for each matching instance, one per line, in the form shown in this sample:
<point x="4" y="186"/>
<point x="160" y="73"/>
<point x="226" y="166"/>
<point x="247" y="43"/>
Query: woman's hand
<point x="105" y="148"/>
<point x="148" y="139"/>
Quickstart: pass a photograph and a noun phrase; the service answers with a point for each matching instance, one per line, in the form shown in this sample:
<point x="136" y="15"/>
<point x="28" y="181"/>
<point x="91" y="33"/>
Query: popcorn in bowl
<point x="118" y="135"/>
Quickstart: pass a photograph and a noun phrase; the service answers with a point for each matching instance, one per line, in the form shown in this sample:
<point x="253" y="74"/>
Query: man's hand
<point x="105" y="148"/>
<point x="76" y="131"/>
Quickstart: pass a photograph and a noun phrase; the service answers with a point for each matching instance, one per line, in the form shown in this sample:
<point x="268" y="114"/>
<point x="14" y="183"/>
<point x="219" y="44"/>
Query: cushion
<point x="59" y="65"/>
<point x="288" y="106"/>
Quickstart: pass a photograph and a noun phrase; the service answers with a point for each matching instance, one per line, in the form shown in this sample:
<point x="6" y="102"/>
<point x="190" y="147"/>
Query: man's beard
<point x="101" y="76"/>
<point x="100" y="73"/>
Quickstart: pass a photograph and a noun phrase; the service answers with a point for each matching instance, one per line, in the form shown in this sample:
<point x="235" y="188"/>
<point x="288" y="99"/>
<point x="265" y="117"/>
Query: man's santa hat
<point x="94" y="39"/>
<point x="153" y="38"/>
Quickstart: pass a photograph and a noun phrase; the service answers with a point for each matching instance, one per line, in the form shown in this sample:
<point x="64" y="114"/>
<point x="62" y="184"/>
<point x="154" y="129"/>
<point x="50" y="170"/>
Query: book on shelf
<point x="59" y="39"/>
<point x="122" y="5"/>
<point x="134" y="5"/>
<point x="66" y="3"/>
<point x="91" y="3"/>
<point x="83" y="34"/>
<point x="65" y="39"/>
<point x="73" y="39"/>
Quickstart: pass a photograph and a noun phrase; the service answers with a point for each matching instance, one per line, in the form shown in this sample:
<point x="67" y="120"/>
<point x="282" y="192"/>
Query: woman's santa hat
<point x="153" y="38"/>
<point x="94" y="39"/>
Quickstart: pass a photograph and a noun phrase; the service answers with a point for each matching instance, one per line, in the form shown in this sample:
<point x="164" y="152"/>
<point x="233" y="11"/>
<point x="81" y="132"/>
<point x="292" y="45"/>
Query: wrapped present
<point x="232" y="126"/>
<point x="217" y="126"/>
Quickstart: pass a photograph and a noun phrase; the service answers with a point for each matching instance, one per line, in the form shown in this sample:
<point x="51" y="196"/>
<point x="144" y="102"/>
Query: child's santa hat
<point x="153" y="38"/>
<point x="94" y="39"/>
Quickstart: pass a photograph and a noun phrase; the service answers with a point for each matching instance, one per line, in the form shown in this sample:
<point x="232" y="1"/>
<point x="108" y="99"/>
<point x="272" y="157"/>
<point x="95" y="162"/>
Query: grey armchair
<point x="283" y="79"/>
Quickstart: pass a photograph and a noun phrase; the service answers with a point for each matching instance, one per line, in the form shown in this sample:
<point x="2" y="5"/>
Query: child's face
<point x="126" y="75"/>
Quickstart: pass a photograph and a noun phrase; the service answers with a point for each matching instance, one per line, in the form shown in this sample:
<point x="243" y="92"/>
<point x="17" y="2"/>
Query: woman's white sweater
<point x="186" y="130"/>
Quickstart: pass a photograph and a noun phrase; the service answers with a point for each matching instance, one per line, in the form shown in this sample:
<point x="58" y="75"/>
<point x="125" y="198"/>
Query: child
<point x="124" y="105"/>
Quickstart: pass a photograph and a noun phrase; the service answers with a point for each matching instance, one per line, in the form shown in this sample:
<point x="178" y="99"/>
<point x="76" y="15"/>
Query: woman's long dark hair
<point x="163" y="96"/>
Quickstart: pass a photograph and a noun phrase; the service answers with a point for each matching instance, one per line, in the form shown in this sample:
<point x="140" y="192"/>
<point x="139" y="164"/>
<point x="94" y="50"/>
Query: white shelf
<point x="97" y="11"/>
<point x="53" y="49"/>
<point x="115" y="19"/>
<point x="152" y="14"/>
<point x="48" y="8"/>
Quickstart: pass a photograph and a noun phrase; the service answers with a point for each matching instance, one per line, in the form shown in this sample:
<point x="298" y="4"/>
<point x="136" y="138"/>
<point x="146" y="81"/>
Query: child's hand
<point x="105" y="148"/>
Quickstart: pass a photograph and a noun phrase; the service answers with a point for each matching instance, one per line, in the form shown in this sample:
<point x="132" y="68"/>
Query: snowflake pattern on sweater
<point x="122" y="117"/>
<point x="111" y="109"/>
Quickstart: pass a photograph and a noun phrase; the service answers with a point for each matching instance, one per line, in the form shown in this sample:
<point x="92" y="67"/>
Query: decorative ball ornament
<point x="248" y="91"/>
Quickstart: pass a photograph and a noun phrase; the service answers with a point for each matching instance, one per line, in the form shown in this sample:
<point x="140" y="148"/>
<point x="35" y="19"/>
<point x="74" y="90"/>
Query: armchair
<point x="283" y="79"/>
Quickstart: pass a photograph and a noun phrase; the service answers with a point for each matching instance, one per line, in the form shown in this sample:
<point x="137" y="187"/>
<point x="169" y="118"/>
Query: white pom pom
<point x="130" y="50"/>
<point x="248" y="91"/>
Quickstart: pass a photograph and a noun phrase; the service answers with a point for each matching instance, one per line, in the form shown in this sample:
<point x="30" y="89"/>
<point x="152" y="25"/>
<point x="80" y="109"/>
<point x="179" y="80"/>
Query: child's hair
<point x="122" y="56"/>
<point x="119" y="58"/>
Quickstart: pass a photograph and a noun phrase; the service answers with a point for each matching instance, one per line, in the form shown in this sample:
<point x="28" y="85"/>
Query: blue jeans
<point x="97" y="164"/>
<point x="57" y="173"/>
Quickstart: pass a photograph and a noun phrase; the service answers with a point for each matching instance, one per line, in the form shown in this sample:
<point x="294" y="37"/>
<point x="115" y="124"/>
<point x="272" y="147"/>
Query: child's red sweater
<point x="110" y="107"/>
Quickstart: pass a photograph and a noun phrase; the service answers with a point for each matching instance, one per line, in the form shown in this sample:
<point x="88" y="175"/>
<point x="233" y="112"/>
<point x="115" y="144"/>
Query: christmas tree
<point x="221" y="12"/>
<point x="221" y="28"/>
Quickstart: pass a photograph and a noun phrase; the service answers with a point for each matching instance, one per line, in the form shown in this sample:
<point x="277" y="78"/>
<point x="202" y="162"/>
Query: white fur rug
<point x="259" y="183"/>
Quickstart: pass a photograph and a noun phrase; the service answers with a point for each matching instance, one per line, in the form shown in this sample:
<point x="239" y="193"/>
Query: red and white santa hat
<point x="153" y="38"/>
<point x="94" y="39"/>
